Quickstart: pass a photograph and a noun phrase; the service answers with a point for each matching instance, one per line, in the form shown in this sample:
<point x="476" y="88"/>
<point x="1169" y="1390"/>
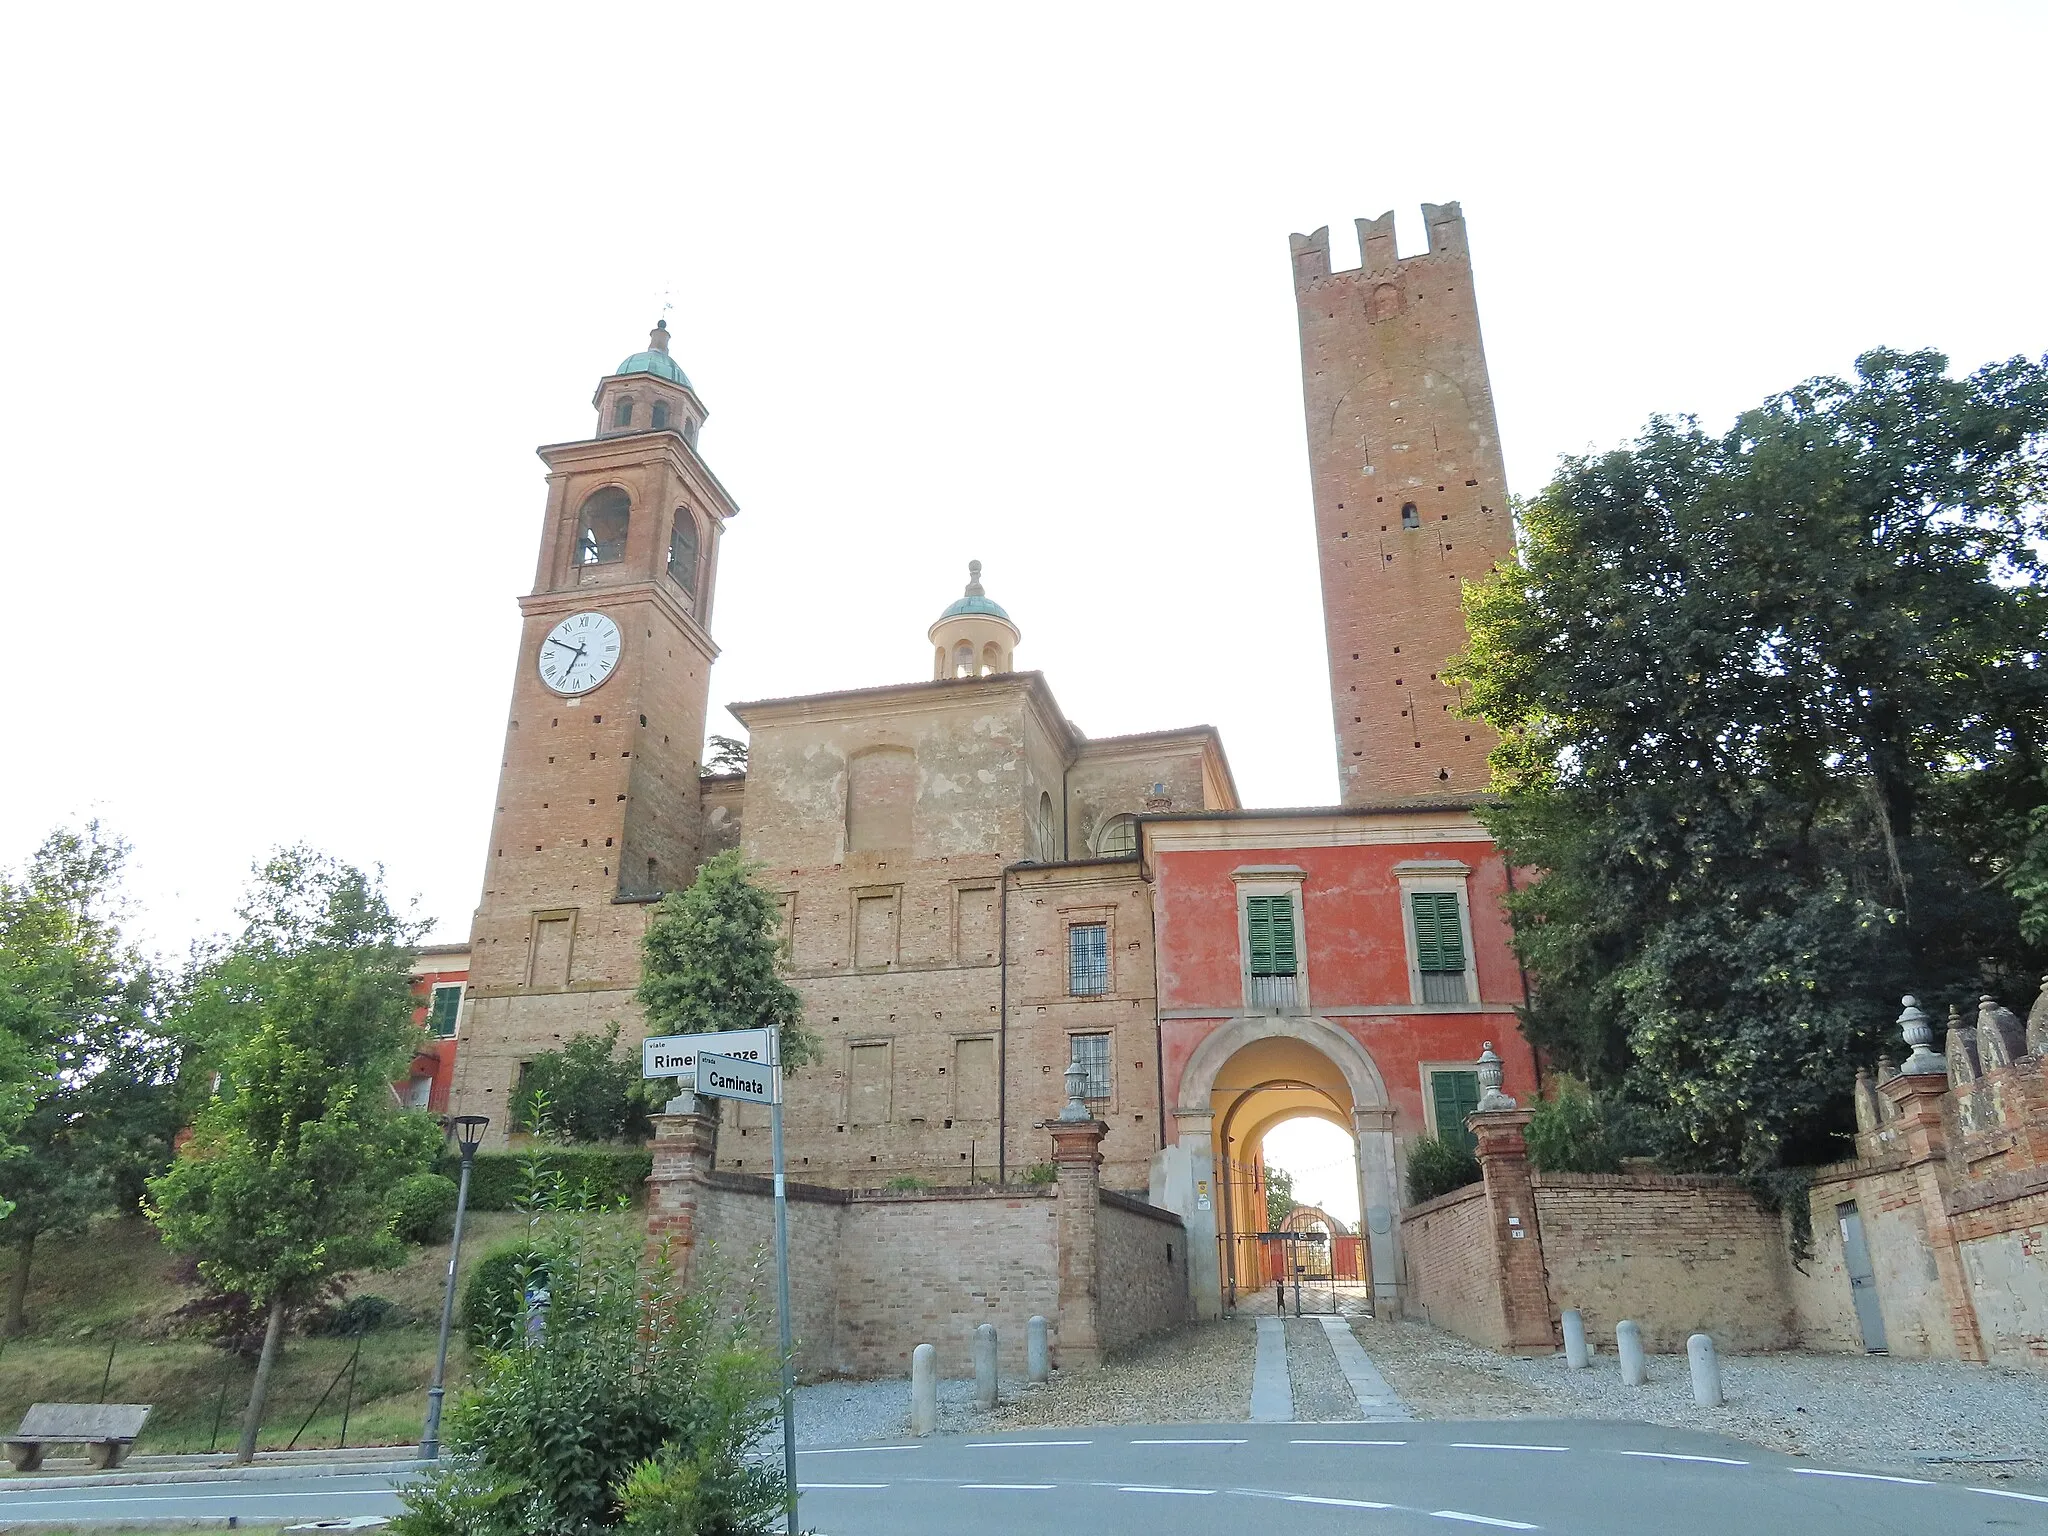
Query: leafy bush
<point x="588" y="1091"/>
<point x="1038" y="1175"/>
<point x="425" y="1207"/>
<point x="1436" y="1167"/>
<point x="1574" y="1132"/>
<point x="494" y="1295"/>
<point x="636" y="1406"/>
<point x="359" y="1314"/>
<point x="603" y="1176"/>
<point x="908" y="1184"/>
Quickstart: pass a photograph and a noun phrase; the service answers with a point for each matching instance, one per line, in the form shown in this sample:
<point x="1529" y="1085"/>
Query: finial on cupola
<point x="657" y="339"/>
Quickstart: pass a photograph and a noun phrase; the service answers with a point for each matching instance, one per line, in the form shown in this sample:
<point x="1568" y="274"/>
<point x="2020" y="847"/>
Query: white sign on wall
<point x="676" y="1055"/>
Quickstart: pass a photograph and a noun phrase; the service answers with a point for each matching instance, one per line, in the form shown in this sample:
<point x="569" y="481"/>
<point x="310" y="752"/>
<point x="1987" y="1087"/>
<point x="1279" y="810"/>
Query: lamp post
<point x="469" y="1135"/>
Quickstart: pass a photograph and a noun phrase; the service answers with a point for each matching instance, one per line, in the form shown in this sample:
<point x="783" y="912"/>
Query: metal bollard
<point x="1037" y="1356"/>
<point x="1574" y="1339"/>
<point x="985" y="1366"/>
<point x="1706" y="1371"/>
<point x="1628" y="1343"/>
<point x="924" y="1390"/>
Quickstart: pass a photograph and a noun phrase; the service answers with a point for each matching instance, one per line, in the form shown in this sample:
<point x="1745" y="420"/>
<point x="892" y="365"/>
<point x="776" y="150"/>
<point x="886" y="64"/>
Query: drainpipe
<point x="1003" y="1022"/>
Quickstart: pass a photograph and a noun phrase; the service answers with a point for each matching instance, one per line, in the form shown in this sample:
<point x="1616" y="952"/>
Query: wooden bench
<point x="106" y="1430"/>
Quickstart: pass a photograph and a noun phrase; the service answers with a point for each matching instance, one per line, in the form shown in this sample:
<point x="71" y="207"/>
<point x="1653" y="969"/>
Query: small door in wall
<point x="1862" y="1278"/>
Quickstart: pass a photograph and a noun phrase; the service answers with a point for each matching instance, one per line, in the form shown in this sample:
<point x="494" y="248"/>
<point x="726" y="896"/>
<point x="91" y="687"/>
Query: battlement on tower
<point x="1444" y="222"/>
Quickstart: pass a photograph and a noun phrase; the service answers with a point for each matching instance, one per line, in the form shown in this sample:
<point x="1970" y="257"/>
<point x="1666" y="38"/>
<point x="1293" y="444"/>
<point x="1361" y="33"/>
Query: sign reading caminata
<point x="728" y="1077"/>
<point x="676" y="1055"/>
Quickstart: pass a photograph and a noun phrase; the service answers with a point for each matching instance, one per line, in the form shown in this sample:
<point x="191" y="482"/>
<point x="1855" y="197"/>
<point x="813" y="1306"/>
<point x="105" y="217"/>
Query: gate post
<point x="1077" y="1153"/>
<point x="1517" y="1240"/>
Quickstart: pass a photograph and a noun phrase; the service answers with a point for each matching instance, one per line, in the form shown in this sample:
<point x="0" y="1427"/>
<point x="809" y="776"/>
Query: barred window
<point x="1088" y="959"/>
<point x="1091" y="1052"/>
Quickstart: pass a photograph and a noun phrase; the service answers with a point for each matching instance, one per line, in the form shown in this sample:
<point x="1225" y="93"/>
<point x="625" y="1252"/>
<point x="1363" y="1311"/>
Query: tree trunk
<point x="17" y="1293"/>
<point x="254" y="1419"/>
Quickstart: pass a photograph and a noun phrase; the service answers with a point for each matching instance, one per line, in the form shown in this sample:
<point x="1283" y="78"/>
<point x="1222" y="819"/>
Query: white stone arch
<point x="1372" y="1127"/>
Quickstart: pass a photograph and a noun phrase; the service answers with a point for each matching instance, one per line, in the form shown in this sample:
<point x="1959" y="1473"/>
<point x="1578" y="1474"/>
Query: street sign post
<point x="676" y="1055"/>
<point x="757" y="1079"/>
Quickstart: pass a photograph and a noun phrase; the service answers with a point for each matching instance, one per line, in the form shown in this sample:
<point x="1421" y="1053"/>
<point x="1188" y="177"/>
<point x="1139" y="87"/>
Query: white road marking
<point x="1458" y="1514"/>
<point x="1862" y="1477"/>
<point x="1347" y="1442"/>
<point x="1004" y="1445"/>
<point x="2007" y="1493"/>
<point x="1481" y="1445"/>
<point x="849" y="1450"/>
<point x="1311" y="1498"/>
<point x="1719" y="1461"/>
<point x="1187" y="1442"/>
<point x="807" y="1487"/>
<point x="1165" y="1490"/>
<point x="1011" y="1487"/>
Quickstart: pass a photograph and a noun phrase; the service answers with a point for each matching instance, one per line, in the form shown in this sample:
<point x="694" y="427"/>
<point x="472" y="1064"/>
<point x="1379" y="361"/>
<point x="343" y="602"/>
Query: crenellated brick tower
<point x="1410" y="497"/>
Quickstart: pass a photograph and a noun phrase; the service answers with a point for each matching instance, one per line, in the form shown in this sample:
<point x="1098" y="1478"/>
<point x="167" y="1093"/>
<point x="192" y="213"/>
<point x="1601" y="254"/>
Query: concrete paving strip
<point x="1272" y="1387"/>
<point x="279" y="1471"/>
<point x="1376" y="1400"/>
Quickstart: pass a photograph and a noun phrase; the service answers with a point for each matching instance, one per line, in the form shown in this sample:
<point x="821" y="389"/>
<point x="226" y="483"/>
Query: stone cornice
<point x="598" y="453"/>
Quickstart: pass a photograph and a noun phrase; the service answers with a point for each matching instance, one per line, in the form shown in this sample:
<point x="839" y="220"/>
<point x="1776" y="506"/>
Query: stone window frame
<point x="1419" y="876"/>
<point x="459" y="988"/>
<point x="854" y="897"/>
<point x="1427" y="1070"/>
<point x="1087" y="917"/>
<point x="551" y="915"/>
<point x="962" y="888"/>
<point x="860" y="1042"/>
<point x="1108" y="1103"/>
<point x="1271" y="880"/>
<point x="954" y="1041"/>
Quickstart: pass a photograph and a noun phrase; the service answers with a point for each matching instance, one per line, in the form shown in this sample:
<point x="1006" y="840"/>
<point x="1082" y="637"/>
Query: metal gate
<point x="1291" y="1269"/>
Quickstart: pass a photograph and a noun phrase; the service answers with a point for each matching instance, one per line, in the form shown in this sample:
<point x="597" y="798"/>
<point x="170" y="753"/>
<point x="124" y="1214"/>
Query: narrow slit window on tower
<point x="601" y="532"/>
<point x="660" y="422"/>
<point x="1410" y="518"/>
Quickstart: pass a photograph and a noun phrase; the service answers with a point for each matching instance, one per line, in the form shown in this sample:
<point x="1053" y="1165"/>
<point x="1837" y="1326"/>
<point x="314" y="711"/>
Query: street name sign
<point x="676" y="1055"/>
<point x="729" y="1077"/>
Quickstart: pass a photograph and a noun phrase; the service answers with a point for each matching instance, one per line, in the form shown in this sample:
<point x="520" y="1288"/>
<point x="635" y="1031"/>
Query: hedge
<point x="607" y="1173"/>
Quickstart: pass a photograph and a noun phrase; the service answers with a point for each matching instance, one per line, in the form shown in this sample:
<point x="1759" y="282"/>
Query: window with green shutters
<point x="1269" y="929"/>
<point x="1454" y="1095"/>
<point x="1439" y="946"/>
<point x="444" y="1009"/>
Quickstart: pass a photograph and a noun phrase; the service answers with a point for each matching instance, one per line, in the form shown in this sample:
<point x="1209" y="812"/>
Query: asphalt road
<point x="1390" y="1479"/>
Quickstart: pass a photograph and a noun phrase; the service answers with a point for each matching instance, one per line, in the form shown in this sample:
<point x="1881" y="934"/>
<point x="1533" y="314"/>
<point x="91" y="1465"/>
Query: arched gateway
<point x="1244" y="1078"/>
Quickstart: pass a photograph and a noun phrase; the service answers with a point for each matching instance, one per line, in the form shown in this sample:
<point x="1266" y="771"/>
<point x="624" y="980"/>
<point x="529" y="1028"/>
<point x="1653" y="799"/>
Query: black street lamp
<point x="469" y="1135"/>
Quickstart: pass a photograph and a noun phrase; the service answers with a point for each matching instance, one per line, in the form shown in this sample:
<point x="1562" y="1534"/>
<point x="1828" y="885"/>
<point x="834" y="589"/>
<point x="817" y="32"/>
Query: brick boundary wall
<point x="1143" y="1253"/>
<point x="1453" y="1281"/>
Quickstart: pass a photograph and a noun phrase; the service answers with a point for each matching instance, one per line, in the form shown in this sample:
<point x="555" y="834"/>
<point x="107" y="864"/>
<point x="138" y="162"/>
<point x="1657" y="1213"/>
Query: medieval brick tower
<point x="1410" y="497"/>
<point x="598" y="800"/>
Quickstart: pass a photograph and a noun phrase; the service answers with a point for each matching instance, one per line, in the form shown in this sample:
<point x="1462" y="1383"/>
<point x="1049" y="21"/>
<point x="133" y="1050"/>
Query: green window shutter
<point x="1439" y="936"/>
<point x="445" y="1009"/>
<point x="1456" y="1095"/>
<point x="1269" y="929"/>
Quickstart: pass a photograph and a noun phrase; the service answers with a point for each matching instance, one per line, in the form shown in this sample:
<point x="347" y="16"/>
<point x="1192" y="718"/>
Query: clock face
<point x="579" y="653"/>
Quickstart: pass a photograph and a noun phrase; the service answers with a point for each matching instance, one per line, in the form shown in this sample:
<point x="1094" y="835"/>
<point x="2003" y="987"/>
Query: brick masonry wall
<point x="1453" y="1277"/>
<point x="1142" y="1265"/>
<point x="1679" y="1255"/>
<point x="736" y="1214"/>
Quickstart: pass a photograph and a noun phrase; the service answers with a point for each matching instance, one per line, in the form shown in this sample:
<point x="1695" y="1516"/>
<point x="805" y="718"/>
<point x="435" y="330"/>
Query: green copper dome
<point x="656" y="360"/>
<point x="976" y="600"/>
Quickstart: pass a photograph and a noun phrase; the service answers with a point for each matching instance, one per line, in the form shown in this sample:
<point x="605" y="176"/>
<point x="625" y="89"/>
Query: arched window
<point x="661" y="415"/>
<point x="622" y="414"/>
<point x="682" y="551"/>
<point x="601" y="534"/>
<point x="1410" y="518"/>
<point x="963" y="659"/>
<point x="991" y="658"/>
<point x="881" y="793"/>
<point x="1044" y="847"/>
<point x="1117" y="838"/>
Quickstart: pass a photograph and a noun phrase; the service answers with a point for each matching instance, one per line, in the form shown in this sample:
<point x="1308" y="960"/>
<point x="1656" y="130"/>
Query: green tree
<point x="106" y="1110"/>
<point x="1773" y="715"/>
<point x="591" y="1090"/>
<point x="287" y="1180"/>
<point x="1279" y="1196"/>
<point x="712" y="961"/>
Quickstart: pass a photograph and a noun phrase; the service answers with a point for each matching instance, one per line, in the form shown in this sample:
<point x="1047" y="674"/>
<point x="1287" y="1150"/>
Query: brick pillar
<point x="1517" y="1242"/>
<point x="1916" y="1129"/>
<point x="682" y="1158"/>
<point x="1077" y="1153"/>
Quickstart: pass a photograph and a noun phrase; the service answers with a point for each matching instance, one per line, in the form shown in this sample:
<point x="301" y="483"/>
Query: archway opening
<point x="1263" y="1093"/>
<point x="1313" y="1199"/>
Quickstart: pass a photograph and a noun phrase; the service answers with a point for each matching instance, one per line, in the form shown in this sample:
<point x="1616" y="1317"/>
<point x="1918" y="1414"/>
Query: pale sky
<point x="294" y="292"/>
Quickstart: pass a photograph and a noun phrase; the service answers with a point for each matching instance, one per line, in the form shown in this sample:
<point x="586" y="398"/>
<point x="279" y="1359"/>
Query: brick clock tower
<point x="1410" y="497"/>
<point x="598" y="808"/>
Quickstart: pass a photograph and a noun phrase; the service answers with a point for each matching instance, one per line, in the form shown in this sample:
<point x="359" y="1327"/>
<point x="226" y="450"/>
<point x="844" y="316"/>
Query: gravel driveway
<point x="1201" y="1374"/>
<point x="1861" y="1411"/>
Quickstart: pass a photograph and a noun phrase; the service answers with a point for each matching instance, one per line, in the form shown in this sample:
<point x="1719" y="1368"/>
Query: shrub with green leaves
<point x="1039" y="1175"/>
<point x="424" y="1208"/>
<point x="1436" y="1167"/>
<point x="635" y="1404"/>
<point x="604" y="1176"/>
<point x="494" y="1294"/>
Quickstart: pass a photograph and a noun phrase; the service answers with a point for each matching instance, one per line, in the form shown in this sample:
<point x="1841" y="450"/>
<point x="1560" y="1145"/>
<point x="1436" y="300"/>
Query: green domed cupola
<point x="975" y="599"/>
<point x="974" y="637"/>
<point x="655" y="359"/>
<point x="649" y="392"/>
